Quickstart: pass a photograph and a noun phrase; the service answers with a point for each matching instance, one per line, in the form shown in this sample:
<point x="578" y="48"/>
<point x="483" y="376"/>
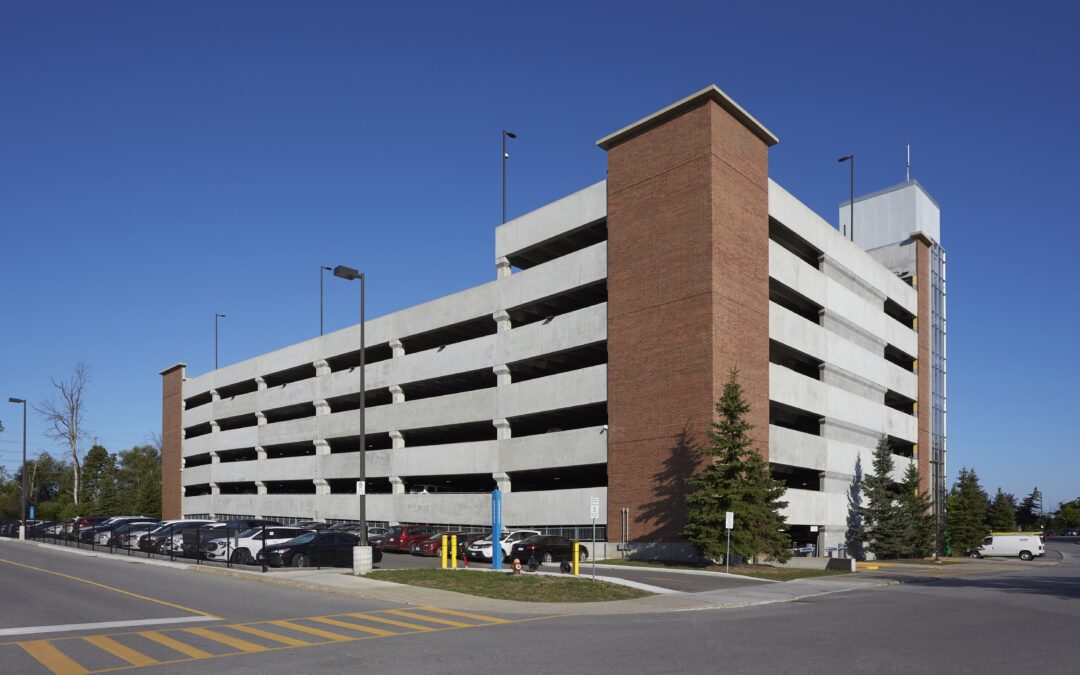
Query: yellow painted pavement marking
<point x="392" y="622"/>
<point x="466" y="615"/>
<point x="324" y="634"/>
<point x="235" y="643"/>
<point x="52" y="658"/>
<point x="432" y="619"/>
<point x="120" y="651"/>
<point x="267" y="635"/>
<point x="175" y="645"/>
<point x="110" y="588"/>
<point x="354" y="626"/>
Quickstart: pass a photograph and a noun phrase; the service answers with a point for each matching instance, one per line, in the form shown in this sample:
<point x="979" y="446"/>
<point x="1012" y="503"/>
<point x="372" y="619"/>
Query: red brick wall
<point x="687" y="301"/>
<point x="926" y="367"/>
<point x="172" y="434"/>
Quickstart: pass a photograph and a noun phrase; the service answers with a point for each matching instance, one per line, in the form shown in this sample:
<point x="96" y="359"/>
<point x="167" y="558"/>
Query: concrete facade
<point x="590" y="365"/>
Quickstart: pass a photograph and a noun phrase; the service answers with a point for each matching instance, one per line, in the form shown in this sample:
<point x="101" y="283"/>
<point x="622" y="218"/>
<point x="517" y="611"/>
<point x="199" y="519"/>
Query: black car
<point x="195" y="544"/>
<point x="546" y="548"/>
<point x="330" y="549"/>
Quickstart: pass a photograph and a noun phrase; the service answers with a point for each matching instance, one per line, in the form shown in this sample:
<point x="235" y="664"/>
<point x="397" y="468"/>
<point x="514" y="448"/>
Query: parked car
<point x="248" y="545"/>
<point x="196" y="546"/>
<point x="400" y="538"/>
<point x="127" y="535"/>
<point x="1024" y="546"/>
<point x="103" y="532"/>
<point x="154" y="540"/>
<point x="433" y="544"/>
<point x="80" y="524"/>
<point x="317" y="548"/>
<point x="546" y="548"/>
<point x="480" y="550"/>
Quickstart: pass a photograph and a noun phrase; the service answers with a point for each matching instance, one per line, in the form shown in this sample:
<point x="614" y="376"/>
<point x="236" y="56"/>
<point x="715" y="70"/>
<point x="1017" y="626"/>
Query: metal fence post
<point x="265" y="558"/>
<point x="318" y="548"/>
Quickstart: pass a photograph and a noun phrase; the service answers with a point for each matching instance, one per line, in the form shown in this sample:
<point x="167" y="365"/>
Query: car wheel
<point x="547" y="556"/>
<point x="974" y="554"/>
<point x="300" y="560"/>
<point x="241" y="557"/>
<point x="583" y="554"/>
<point x="1026" y="555"/>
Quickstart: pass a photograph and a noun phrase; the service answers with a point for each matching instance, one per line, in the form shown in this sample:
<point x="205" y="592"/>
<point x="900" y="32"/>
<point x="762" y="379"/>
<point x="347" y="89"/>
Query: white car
<point x="481" y="548"/>
<point x="245" y="548"/>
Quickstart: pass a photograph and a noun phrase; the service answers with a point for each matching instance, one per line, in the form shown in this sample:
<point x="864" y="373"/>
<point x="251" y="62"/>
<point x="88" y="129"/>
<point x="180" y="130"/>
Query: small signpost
<point x="594" y="513"/>
<point x="361" y="488"/>
<point x="729" y="523"/>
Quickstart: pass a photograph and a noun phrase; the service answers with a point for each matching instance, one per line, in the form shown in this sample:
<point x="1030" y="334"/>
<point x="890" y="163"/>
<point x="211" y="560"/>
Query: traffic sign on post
<point x="594" y="512"/>
<point x="361" y="487"/>
<point x="594" y="508"/>
<point x="729" y="523"/>
<point x="729" y="520"/>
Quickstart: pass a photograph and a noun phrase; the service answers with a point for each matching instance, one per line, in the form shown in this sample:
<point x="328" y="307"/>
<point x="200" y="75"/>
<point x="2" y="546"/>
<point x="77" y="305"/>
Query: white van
<point x="1026" y="546"/>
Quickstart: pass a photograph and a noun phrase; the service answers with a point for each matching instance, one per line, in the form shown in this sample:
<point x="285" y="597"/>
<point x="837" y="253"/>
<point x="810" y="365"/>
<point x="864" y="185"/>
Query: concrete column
<point x="214" y="490"/>
<point x="397" y="486"/>
<point x="321" y="368"/>
<point x="321" y="486"/>
<point x="502" y="374"/>
<point x="260" y="384"/>
<point x="260" y="419"/>
<point x="361" y="559"/>
<point x="322" y="408"/>
<point x="321" y="447"/>
<point x="503" y="429"/>
<point x="214" y="459"/>
<point x="502" y="268"/>
<point x="397" y="440"/>
<point x="214" y="428"/>
<point x="260" y="453"/>
<point x="830" y="536"/>
<point x="396" y="348"/>
<point x="502" y="318"/>
<point x="502" y="480"/>
<point x="260" y="487"/>
<point x="396" y="394"/>
<point x="214" y="395"/>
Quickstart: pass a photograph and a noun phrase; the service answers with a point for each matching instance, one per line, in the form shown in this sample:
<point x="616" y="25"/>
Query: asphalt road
<point x="1024" y="620"/>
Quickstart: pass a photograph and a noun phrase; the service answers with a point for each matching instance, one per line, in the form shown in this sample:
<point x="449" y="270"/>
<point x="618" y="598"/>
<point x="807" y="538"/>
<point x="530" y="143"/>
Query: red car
<point x="433" y="544"/>
<point x="400" y="538"/>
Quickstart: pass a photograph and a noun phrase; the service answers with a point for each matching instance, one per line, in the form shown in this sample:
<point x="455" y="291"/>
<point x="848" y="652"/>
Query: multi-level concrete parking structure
<point x="590" y="366"/>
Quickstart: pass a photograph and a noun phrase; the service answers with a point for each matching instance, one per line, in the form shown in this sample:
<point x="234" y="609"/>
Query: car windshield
<point x="250" y="532"/>
<point x="305" y="538"/>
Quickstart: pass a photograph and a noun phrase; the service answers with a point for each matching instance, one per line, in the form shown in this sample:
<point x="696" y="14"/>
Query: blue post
<point x="496" y="529"/>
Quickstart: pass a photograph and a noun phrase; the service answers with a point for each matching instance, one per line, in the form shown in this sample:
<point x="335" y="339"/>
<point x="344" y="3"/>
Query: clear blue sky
<point x="162" y="161"/>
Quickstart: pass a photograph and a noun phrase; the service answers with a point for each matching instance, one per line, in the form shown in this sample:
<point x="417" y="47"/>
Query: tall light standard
<point x="350" y="274"/>
<point x="22" y="533"/>
<point x="852" y="202"/>
<point x="216" y="317"/>
<point x="505" y="134"/>
<point x="321" y="269"/>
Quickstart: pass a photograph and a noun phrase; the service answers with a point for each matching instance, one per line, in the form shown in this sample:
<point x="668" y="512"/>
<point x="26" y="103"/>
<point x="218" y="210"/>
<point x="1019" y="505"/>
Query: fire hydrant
<point x="517" y="566"/>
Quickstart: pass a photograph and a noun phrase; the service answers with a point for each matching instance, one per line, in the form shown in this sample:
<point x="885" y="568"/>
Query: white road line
<point x="29" y="630"/>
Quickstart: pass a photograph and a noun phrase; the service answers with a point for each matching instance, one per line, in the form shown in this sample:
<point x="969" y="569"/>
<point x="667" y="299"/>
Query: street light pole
<point x="216" y="317"/>
<point x="505" y="156"/>
<point x="852" y="202"/>
<point x="351" y="274"/>
<point x="22" y="534"/>
<point x="321" y="268"/>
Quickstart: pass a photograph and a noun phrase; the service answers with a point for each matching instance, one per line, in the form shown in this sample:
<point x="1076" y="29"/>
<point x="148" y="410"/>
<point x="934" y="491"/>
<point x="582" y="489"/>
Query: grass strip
<point x="756" y="571"/>
<point x="524" y="587"/>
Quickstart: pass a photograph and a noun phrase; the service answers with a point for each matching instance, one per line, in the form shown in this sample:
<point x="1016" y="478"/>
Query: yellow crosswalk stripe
<point x="175" y="645"/>
<point x="325" y="634"/>
<point x="353" y="626"/>
<point x="432" y="619"/>
<point x="466" y="615"/>
<point x="120" y="651"/>
<point x="235" y="643"/>
<point x="392" y="622"/>
<point x="267" y="635"/>
<point x="51" y="657"/>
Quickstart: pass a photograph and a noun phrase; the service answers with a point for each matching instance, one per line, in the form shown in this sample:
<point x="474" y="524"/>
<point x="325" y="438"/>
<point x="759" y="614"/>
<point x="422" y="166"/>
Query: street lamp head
<point x="328" y="269"/>
<point x="844" y="159"/>
<point x="217" y="314"/>
<point x="16" y="400"/>
<point x="511" y="134"/>
<point x="346" y="273"/>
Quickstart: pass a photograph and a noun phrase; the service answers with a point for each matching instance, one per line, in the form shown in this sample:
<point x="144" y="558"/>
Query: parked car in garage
<point x="246" y="547"/>
<point x="330" y="549"/>
<point x="546" y="548"/>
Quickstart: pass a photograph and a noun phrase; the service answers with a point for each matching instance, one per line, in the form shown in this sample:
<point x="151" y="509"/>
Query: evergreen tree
<point x="915" y="515"/>
<point x="1001" y="516"/>
<point x="966" y="514"/>
<point x="95" y="467"/>
<point x="883" y="527"/>
<point x="1030" y="510"/>
<point x="735" y="478"/>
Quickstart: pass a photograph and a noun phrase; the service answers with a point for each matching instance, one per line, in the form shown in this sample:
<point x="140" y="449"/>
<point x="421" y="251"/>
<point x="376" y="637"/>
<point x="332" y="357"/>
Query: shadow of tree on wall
<point x="853" y="538"/>
<point x="665" y="516"/>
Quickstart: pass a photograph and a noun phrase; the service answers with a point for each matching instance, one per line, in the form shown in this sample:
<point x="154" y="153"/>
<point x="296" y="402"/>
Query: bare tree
<point x="63" y="416"/>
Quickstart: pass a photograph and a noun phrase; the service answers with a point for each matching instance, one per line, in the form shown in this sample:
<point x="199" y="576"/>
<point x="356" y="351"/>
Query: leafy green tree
<point x="1067" y="516"/>
<point x="96" y="466"/>
<point x="735" y="478"/>
<point x="883" y="527"/>
<point x="1001" y="516"/>
<point x="1030" y="510"/>
<point x="966" y="514"/>
<point x="915" y="516"/>
<point x="139" y="479"/>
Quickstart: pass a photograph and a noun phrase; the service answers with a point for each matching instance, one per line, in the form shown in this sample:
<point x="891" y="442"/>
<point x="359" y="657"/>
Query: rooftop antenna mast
<point x="908" y="162"/>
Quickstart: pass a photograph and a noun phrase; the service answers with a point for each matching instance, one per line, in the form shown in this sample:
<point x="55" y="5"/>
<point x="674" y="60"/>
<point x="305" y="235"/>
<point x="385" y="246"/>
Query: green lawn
<point x="524" y="587"/>
<point x="920" y="561"/>
<point x="757" y="571"/>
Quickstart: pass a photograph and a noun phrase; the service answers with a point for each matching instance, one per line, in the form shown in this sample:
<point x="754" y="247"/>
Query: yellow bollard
<point x="444" y="551"/>
<point x="453" y="550"/>
<point x="577" y="556"/>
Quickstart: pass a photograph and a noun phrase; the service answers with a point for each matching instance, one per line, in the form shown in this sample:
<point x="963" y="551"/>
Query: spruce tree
<point x="95" y="467"/>
<point x="735" y="478"/>
<point x="1001" y="516"/>
<point x="915" y="515"/>
<point x="1030" y="510"/>
<point x="966" y="514"/>
<point x="883" y="527"/>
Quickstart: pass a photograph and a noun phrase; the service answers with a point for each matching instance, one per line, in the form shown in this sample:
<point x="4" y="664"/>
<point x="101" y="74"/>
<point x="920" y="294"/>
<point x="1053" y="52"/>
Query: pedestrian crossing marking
<point x="51" y="653"/>
<point x="118" y="650"/>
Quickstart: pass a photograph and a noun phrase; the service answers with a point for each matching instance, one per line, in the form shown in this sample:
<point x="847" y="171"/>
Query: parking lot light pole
<point x="350" y="274"/>
<point x="322" y="268"/>
<point x="22" y="533"/>
<point x="216" y="317"/>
